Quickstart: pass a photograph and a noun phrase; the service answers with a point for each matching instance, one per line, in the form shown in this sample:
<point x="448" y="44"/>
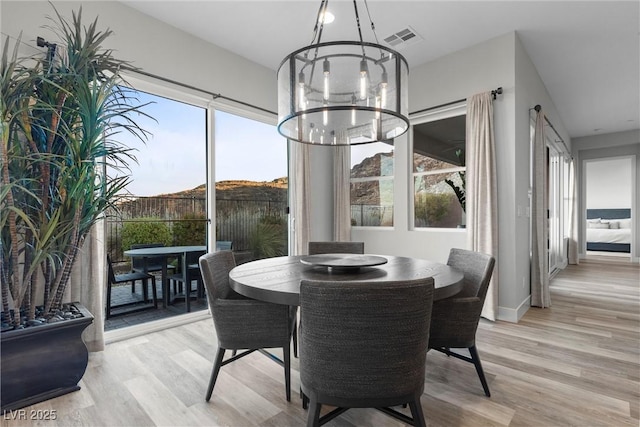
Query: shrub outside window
<point x="439" y="173"/>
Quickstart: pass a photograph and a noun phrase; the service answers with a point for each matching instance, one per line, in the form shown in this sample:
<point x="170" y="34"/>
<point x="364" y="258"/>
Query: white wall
<point x="529" y="92"/>
<point x="608" y="183"/>
<point x="478" y="69"/>
<point x="151" y="45"/>
<point x="500" y="62"/>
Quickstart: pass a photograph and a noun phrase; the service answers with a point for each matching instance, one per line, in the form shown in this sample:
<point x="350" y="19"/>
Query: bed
<point x="609" y="230"/>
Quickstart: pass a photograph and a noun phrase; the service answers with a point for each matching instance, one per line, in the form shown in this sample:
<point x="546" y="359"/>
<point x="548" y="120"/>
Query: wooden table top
<point x="277" y="280"/>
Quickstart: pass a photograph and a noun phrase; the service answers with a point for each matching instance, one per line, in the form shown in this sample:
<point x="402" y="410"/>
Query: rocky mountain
<point x="275" y="190"/>
<point x="365" y="193"/>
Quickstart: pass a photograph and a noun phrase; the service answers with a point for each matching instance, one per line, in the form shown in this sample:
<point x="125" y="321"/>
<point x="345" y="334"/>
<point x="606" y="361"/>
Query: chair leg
<point x="145" y="290"/>
<point x="214" y="373"/>
<point x="154" y="291"/>
<point x="313" y="417"/>
<point x="294" y="335"/>
<point x="416" y="413"/>
<point x="108" y="311"/>
<point x="286" y="350"/>
<point x="476" y="362"/>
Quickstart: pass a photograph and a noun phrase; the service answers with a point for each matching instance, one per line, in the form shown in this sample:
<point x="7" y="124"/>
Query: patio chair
<point x="242" y="323"/>
<point x="316" y="248"/>
<point x="364" y="345"/>
<point x="193" y="274"/>
<point x="153" y="264"/>
<point x="455" y="320"/>
<point x="224" y="245"/>
<point x="114" y="279"/>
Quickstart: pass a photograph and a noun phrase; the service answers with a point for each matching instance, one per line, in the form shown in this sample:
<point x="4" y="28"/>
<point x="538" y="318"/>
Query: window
<point x="372" y="184"/>
<point x="166" y="197"/>
<point x="439" y="173"/>
<point x="251" y="186"/>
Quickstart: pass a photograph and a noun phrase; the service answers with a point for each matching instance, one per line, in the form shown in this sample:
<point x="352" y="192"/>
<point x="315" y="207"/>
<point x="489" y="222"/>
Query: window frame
<point x="378" y="179"/>
<point x="440" y="113"/>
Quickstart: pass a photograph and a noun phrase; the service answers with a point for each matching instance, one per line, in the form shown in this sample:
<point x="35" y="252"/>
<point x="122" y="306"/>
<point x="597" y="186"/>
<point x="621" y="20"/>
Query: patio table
<point x="165" y="252"/>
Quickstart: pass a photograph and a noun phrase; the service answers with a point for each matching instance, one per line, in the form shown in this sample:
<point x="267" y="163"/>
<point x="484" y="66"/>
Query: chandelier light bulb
<point x="301" y="89"/>
<point x="326" y="67"/>
<point x="383" y="90"/>
<point x="364" y="71"/>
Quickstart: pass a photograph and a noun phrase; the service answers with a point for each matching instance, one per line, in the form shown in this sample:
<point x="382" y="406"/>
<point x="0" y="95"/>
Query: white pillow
<point x="593" y="220"/>
<point x="625" y="223"/>
<point x="614" y="225"/>
<point x="598" y="225"/>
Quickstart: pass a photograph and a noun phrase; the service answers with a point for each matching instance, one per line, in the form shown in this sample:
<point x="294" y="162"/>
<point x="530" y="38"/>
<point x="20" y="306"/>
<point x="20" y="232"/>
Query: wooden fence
<point x="236" y="220"/>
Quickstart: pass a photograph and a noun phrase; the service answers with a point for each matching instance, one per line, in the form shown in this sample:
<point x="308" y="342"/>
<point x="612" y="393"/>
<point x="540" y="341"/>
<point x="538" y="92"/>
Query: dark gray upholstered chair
<point x="242" y="323"/>
<point x="316" y="248"/>
<point x="364" y="345"/>
<point x="115" y="279"/>
<point x="455" y="320"/>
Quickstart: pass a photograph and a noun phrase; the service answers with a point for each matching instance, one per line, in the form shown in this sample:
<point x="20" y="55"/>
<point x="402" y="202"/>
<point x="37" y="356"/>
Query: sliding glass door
<point x="251" y="186"/>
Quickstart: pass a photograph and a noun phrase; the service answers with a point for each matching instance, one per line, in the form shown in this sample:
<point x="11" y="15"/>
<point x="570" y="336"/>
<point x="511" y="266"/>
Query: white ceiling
<point x="586" y="52"/>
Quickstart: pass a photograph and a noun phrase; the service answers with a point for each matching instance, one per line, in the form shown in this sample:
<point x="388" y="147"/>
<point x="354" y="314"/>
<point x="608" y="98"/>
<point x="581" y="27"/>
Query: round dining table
<point x="277" y="280"/>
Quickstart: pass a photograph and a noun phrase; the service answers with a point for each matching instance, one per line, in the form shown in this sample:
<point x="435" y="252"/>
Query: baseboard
<point x="154" y="326"/>
<point x="513" y="315"/>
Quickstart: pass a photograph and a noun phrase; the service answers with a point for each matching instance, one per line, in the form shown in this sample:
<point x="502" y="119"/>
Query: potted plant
<point x="59" y="116"/>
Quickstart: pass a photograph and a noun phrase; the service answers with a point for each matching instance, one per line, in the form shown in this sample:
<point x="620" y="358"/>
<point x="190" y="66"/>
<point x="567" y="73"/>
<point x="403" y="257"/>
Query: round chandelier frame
<point x="342" y="92"/>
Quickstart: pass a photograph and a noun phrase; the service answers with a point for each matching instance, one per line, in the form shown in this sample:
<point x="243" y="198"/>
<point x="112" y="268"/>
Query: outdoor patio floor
<point x="129" y="308"/>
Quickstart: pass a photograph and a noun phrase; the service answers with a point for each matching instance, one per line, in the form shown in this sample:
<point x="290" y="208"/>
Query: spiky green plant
<point x="60" y="121"/>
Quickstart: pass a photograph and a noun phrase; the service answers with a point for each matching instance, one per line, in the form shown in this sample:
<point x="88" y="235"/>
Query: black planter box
<point x="42" y="362"/>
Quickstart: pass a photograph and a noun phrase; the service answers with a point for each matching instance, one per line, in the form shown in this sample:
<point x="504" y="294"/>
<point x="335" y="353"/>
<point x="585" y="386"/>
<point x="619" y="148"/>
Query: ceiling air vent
<point x="403" y="38"/>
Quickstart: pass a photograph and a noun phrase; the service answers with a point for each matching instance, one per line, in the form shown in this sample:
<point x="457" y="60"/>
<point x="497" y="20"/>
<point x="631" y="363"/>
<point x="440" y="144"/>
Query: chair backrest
<point x="364" y="340"/>
<point x="477" y="269"/>
<point x="193" y="259"/>
<point x="224" y="245"/>
<point x="316" y="248"/>
<point x="137" y="263"/>
<point x="215" y="268"/>
<point x="112" y="275"/>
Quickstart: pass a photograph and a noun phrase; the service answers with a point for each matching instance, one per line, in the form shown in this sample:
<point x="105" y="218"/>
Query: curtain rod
<point x="494" y="93"/>
<point x="538" y="108"/>
<point x="42" y="43"/>
<point x="215" y="95"/>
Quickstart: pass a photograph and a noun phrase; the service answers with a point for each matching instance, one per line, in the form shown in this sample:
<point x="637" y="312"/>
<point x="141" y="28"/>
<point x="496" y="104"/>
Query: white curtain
<point x="88" y="282"/>
<point x="540" y="296"/>
<point x="572" y="225"/>
<point x="300" y="208"/>
<point x="341" y="194"/>
<point x="481" y="189"/>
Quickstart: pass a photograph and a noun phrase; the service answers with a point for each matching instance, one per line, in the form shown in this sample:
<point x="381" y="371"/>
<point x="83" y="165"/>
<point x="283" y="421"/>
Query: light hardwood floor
<point x="574" y="364"/>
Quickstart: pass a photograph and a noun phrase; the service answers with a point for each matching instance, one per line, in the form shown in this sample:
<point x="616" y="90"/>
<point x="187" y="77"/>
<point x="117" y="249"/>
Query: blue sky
<point x="174" y="157"/>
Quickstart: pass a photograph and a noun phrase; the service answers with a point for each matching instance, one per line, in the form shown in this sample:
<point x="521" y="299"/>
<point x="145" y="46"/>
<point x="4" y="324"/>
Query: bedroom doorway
<point x="609" y="202"/>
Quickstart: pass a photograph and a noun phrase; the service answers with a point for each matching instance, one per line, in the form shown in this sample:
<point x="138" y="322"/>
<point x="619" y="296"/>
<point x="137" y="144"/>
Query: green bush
<point x="431" y="208"/>
<point x="190" y="230"/>
<point x="269" y="239"/>
<point x="145" y="230"/>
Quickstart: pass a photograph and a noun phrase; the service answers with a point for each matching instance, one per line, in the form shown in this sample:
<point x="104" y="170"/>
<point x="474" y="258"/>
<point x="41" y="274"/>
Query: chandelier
<point x="342" y="92"/>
